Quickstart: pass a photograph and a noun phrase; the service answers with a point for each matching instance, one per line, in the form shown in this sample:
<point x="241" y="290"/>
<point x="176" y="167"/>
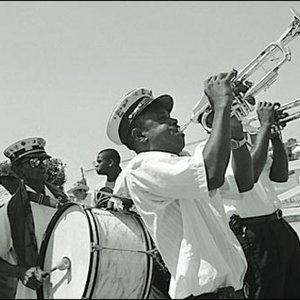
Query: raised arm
<point x="259" y="150"/>
<point x="279" y="171"/>
<point x="216" y="152"/>
<point x="241" y="159"/>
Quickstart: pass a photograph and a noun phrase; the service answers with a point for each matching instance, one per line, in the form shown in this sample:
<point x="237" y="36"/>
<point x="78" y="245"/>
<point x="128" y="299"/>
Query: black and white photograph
<point x="150" y="150"/>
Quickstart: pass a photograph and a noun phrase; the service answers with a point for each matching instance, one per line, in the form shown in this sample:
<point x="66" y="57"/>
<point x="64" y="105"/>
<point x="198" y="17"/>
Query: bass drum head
<point x="67" y="236"/>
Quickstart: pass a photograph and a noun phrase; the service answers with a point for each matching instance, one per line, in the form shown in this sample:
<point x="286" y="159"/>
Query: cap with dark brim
<point x="136" y="109"/>
<point x="33" y="147"/>
<point x="130" y="106"/>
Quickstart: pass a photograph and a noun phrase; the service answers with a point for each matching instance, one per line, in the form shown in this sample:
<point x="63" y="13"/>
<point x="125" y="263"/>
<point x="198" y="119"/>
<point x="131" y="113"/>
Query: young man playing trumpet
<point x="177" y="196"/>
<point x="271" y="245"/>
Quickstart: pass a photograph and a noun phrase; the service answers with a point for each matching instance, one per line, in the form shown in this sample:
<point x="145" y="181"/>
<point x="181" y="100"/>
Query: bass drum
<point x="108" y="254"/>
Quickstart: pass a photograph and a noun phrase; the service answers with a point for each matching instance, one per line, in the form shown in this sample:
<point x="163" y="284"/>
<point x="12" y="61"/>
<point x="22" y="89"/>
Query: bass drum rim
<point x="95" y="255"/>
<point x="44" y="245"/>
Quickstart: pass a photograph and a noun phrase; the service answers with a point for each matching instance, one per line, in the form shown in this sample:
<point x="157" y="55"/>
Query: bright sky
<point x="65" y="65"/>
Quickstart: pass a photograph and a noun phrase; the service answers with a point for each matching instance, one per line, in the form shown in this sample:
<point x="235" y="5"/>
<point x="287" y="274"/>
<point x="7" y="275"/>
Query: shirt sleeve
<point x="169" y="176"/>
<point x="229" y="190"/>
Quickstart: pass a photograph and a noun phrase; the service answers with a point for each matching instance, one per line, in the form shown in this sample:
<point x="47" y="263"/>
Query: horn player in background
<point x="271" y="245"/>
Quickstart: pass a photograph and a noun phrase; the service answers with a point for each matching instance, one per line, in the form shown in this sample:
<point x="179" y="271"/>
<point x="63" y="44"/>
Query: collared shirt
<point x="41" y="215"/>
<point x="188" y="226"/>
<point x="261" y="200"/>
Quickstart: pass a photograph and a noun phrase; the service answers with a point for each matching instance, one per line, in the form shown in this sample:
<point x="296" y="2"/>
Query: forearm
<point x="217" y="149"/>
<point x="259" y="151"/>
<point x="243" y="168"/>
<point x="280" y="166"/>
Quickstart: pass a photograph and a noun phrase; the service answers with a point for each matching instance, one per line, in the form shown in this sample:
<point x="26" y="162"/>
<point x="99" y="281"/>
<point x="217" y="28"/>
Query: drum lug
<point x="95" y="247"/>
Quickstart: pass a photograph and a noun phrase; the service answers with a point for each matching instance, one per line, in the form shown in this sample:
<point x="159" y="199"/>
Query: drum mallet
<point x="64" y="264"/>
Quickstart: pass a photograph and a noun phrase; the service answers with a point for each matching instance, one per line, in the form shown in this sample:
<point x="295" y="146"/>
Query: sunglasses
<point x="36" y="162"/>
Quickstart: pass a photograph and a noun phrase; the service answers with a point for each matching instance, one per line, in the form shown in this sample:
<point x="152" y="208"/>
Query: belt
<point x="222" y="293"/>
<point x="277" y="215"/>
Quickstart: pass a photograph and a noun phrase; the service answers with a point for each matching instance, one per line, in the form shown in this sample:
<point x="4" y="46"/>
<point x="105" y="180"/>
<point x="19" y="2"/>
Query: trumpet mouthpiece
<point x="184" y="126"/>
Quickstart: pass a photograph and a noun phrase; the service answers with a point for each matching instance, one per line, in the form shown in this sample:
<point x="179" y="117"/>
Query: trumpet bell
<point x="241" y="108"/>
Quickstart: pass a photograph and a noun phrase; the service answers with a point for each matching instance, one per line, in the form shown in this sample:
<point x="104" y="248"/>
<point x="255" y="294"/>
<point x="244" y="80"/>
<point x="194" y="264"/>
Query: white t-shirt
<point x="187" y="225"/>
<point x="260" y="200"/>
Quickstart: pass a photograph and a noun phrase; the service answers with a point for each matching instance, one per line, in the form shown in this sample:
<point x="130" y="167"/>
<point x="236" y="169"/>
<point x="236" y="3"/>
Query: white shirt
<point x="260" y="200"/>
<point x="41" y="215"/>
<point x="188" y="226"/>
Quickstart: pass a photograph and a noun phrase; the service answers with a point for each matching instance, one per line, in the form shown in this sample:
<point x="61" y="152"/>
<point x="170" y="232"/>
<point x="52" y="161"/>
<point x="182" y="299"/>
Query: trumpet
<point x="241" y="106"/>
<point x="281" y="118"/>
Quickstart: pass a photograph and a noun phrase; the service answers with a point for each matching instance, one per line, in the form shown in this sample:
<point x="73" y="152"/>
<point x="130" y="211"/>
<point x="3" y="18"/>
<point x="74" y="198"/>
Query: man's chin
<point x="43" y="177"/>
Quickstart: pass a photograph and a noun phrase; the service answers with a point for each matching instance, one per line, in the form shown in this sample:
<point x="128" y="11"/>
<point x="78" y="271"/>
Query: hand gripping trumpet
<point x="282" y="117"/>
<point x="241" y="107"/>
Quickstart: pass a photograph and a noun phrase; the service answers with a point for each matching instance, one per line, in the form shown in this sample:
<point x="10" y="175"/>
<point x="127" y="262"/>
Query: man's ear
<point x="111" y="163"/>
<point x="138" y="135"/>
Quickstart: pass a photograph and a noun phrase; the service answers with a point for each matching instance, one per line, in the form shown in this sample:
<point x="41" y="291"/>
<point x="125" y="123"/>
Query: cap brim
<point x="166" y="101"/>
<point x="37" y="155"/>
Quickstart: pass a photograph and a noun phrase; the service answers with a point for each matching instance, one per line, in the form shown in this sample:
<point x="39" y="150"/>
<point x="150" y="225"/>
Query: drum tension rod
<point x="153" y="252"/>
<point x="96" y="247"/>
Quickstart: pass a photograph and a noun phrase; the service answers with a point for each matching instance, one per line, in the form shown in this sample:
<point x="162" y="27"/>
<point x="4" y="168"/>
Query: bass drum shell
<point x="108" y="252"/>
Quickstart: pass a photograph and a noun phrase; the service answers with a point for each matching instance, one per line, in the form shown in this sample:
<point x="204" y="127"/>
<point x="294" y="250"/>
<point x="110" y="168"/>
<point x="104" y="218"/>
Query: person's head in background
<point x="108" y="163"/>
<point x="79" y="191"/>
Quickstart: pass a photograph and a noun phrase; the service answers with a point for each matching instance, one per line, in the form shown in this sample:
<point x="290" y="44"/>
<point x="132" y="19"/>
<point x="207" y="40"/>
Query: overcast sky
<point x="65" y="65"/>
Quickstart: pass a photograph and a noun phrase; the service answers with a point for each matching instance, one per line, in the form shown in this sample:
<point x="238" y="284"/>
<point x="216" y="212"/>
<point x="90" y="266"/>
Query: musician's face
<point x="34" y="169"/>
<point x="102" y="164"/>
<point x="80" y="194"/>
<point x="160" y="131"/>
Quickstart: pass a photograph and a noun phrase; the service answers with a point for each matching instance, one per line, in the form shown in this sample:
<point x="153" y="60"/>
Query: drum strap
<point x="42" y="199"/>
